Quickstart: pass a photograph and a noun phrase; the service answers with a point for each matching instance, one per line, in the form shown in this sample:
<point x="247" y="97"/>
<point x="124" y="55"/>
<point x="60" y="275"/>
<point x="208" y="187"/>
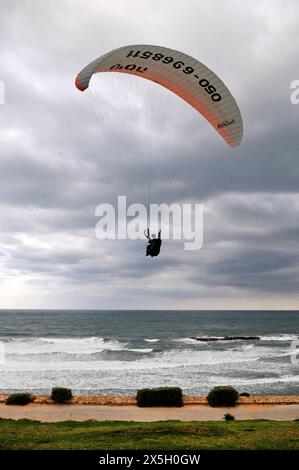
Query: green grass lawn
<point x="25" y="434"/>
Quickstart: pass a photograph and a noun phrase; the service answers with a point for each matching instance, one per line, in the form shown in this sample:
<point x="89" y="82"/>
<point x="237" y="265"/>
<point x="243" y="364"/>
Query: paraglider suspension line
<point x="149" y="183"/>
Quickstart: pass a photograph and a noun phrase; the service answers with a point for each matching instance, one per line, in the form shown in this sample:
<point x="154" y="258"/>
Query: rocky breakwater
<point x="226" y="338"/>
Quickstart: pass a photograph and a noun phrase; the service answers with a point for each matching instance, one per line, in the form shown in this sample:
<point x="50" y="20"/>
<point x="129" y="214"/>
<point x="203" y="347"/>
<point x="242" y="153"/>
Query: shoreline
<point x="126" y="400"/>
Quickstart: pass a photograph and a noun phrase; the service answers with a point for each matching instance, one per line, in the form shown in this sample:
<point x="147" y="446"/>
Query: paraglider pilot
<point x="154" y="244"/>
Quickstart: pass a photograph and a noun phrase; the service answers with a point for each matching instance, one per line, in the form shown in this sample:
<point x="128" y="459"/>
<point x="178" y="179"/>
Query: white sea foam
<point x="279" y="338"/>
<point x="171" y="359"/>
<point x="141" y="350"/>
<point x="95" y="363"/>
<point x="186" y="340"/>
<point x="267" y="380"/>
<point x="38" y="346"/>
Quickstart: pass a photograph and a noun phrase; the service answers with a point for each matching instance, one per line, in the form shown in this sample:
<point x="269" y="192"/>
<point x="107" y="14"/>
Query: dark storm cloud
<point x="59" y="159"/>
<point x="248" y="266"/>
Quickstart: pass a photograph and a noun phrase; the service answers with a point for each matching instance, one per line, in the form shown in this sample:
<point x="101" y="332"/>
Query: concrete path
<point x="52" y="413"/>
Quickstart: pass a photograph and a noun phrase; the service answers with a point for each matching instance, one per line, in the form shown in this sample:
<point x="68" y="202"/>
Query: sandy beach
<point x="102" y="408"/>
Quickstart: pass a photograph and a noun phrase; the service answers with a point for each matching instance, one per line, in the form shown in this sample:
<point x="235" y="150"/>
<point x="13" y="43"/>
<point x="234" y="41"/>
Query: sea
<point x="116" y="352"/>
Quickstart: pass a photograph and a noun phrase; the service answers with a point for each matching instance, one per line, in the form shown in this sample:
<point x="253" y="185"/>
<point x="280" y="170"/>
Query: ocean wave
<point x="172" y="359"/>
<point x="127" y="383"/>
<point x="84" y="350"/>
<point x="186" y="357"/>
<point x="185" y="340"/>
<point x="266" y="380"/>
<point x="154" y="340"/>
<point x="141" y="350"/>
<point x="42" y="345"/>
<point x="279" y="337"/>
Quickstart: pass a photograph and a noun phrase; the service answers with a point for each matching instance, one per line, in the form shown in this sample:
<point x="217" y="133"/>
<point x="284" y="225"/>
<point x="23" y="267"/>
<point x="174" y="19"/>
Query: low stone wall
<point x="84" y="400"/>
<point x="188" y="400"/>
<point x="252" y="400"/>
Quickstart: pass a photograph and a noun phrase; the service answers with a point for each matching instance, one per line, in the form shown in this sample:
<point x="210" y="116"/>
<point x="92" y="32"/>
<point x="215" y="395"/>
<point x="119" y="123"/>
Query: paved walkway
<point x="52" y="413"/>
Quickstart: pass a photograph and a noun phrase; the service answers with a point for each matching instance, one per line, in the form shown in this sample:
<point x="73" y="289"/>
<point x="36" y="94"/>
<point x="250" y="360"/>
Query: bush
<point x="229" y="417"/>
<point x="19" y="399"/>
<point x="244" y="394"/>
<point x="163" y="396"/>
<point x="223" y="396"/>
<point x="61" y="395"/>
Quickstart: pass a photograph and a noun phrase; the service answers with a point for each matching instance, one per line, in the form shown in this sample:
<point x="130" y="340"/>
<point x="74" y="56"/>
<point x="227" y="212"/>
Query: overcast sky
<point x="58" y="162"/>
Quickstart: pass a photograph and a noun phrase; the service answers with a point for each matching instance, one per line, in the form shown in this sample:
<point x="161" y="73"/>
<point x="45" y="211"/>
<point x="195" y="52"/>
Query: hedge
<point x="61" y="395"/>
<point x="162" y="396"/>
<point x="223" y="396"/>
<point x="19" y="399"/>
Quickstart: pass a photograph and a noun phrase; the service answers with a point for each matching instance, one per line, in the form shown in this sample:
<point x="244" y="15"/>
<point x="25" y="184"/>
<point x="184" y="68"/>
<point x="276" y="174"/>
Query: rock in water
<point x="226" y="338"/>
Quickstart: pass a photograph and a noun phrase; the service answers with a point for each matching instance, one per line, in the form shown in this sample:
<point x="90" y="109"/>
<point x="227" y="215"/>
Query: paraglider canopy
<point x="183" y="75"/>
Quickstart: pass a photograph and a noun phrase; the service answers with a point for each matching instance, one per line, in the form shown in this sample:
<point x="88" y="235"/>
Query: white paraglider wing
<point x="183" y="75"/>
